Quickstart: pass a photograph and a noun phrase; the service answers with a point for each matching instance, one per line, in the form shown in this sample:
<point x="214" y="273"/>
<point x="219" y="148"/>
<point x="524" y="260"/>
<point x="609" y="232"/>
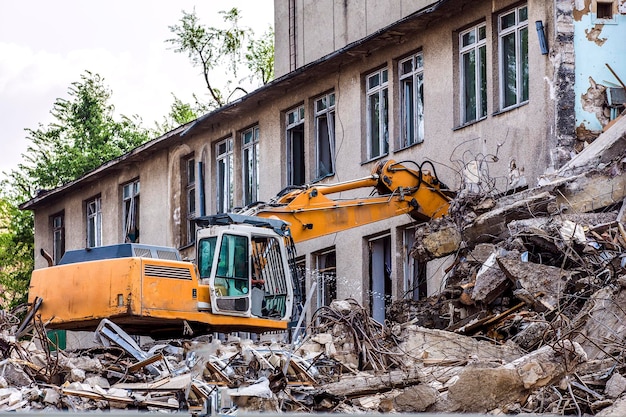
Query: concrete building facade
<point x="483" y="90"/>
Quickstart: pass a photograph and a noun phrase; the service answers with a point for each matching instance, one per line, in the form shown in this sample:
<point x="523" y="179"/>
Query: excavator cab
<point x="246" y="267"/>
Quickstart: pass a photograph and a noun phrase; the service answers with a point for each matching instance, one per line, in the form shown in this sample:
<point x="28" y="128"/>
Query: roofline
<point x="187" y="128"/>
<point x="30" y="204"/>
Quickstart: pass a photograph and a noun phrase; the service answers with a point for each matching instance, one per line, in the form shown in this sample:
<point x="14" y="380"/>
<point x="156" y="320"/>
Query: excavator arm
<point x="395" y="189"/>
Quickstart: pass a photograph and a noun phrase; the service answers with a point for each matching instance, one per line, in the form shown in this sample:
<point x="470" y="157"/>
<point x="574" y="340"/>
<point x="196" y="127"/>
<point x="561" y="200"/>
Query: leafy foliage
<point x="83" y="136"/>
<point x="16" y="253"/>
<point x="260" y="57"/>
<point x="180" y="113"/>
<point x="212" y="48"/>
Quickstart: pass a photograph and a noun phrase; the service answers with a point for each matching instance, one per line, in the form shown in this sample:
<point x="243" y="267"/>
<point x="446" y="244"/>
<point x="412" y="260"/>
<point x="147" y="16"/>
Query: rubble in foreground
<point x="532" y="320"/>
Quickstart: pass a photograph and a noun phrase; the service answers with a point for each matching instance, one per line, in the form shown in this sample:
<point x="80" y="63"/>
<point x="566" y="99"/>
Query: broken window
<point x="473" y="71"/>
<point x="377" y="114"/>
<point x="295" y="147"/>
<point x="326" y="275"/>
<point x="325" y="134"/>
<point x="415" y="284"/>
<point x="58" y="237"/>
<point x="94" y="222"/>
<point x="513" y="45"/>
<point x="189" y="185"/>
<point x="250" y="158"/>
<point x="412" y="100"/>
<point x="224" y="161"/>
<point x="604" y="9"/>
<point x="130" y="197"/>
<point x="380" y="276"/>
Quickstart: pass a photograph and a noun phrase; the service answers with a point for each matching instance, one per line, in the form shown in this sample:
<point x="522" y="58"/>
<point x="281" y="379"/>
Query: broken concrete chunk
<point x="615" y="386"/>
<point x="442" y="242"/>
<point x="51" y="396"/>
<point x="482" y="389"/>
<point x="545" y="283"/>
<point x="491" y="282"/>
<point x="14" y="375"/>
<point x="415" y="399"/>
<point x="76" y="375"/>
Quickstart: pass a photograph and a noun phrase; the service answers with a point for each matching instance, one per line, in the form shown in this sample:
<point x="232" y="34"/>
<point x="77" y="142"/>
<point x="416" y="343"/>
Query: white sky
<point x="46" y="45"/>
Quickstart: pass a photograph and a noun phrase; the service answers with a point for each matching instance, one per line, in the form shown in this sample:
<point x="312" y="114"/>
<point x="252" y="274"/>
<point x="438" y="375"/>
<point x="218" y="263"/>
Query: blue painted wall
<point x="598" y="42"/>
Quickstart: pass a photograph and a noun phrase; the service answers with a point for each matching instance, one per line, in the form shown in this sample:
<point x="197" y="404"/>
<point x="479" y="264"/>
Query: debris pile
<point x="531" y="320"/>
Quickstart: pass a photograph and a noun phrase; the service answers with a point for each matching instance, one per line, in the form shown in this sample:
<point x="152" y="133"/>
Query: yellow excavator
<point x="244" y="276"/>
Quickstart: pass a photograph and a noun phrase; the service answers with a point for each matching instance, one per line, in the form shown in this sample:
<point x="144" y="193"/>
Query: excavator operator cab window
<point x="232" y="278"/>
<point x="206" y="253"/>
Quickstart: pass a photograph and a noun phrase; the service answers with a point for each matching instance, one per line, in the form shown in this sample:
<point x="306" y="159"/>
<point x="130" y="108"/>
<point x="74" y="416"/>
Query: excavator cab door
<point x="247" y="271"/>
<point x="224" y="261"/>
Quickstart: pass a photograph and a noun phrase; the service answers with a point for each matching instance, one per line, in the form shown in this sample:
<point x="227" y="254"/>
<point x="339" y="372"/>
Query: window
<point x="295" y="147"/>
<point x="189" y="178"/>
<point x="58" y="237"/>
<point x="325" y="135"/>
<point x="250" y="158"/>
<point x="94" y="222"/>
<point x="130" y="197"/>
<point x="415" y="283"/>
<point x="224" y="160"/>
<point x="377" y="114"/>
<point x="513" y="45"/>
<point x="473" y="61"/>
<point x="326" y="273"/>
<point x="411" y="100"/>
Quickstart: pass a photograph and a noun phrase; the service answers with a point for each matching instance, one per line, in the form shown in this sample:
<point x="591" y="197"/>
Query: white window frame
<point x="130" y="207"/>
<point x="411" y="76"/>
<point x="224" y="168"/>
<point x="250" y="165"/>
<point x="377" y="119"/>
<point x="93" y="210"/>
<point x="325" y="135"/>
<point x="295" y="123"/>
<point x="473" y="42"/>
<point x="326" y="277"/>
<point x="521" y="65"/>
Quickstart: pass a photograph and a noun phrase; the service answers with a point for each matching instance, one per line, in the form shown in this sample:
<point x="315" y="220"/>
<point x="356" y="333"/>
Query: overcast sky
<point x="46" y="45"/>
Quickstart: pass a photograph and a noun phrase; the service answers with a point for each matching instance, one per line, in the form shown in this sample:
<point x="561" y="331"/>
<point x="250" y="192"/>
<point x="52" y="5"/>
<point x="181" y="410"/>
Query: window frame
<point x="250" y="165"/>
<point x="522" y="73"/>
<point x="224" y="192"/>
<point x="94" y="216"/>
<point x="326" y="276"/>
<point x="57" y="222"/>
<point x="324" y="107"/>
<point x="414" y="117"/>
<point x="131" y="204"/>
<point x="294" y="120"/>
<point x="379" y="91"/>
<point x="191" y="202"/>
<point x="477" y="45"/>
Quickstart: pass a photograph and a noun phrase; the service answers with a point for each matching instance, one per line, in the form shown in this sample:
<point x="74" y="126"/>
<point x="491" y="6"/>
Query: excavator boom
<point x="314" y="211"/>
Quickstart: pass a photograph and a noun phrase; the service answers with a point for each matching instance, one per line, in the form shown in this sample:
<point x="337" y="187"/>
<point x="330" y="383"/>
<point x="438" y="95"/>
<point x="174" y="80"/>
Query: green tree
<point x="260" y="57"/>
<point x="212" y="49"/>
<point x="83" y="136"/>
<point x="180" y="113"/>
<point x="16" y="252"/>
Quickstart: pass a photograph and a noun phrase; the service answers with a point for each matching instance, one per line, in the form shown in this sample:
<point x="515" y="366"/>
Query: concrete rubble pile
<point x="531" y="320"/>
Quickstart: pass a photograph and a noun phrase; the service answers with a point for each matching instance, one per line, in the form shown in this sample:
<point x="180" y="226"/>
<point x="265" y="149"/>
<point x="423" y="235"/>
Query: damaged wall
<point x="599" y="29"/>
